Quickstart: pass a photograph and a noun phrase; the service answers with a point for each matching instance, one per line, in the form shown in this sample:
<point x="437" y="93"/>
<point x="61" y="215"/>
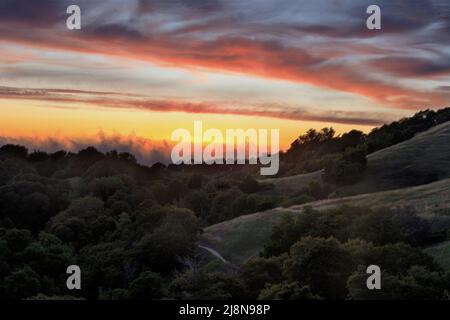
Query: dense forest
<point x="133" y="229"/>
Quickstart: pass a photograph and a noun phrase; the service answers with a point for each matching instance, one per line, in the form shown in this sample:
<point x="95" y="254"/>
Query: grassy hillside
<point x="422" y="159"/>
<point x="238" y="239"/>
<point x="293" y="184"/>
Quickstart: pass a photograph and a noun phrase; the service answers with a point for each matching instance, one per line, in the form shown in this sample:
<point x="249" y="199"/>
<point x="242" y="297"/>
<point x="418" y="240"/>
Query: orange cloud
<point x="231" y="54"/>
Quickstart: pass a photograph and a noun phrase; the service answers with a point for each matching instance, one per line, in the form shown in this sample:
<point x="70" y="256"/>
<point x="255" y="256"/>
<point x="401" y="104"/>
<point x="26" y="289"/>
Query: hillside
<point x="422" y="159"/>
<point x="391" y="180"/>
<point x="293" y="184"/>
<point x="243" y="237"/>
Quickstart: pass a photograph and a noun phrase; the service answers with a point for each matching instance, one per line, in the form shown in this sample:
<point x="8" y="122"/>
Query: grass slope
<point x="243" y="237"/>
<point x="413" y="162"/>
<point x="293" y="184"/>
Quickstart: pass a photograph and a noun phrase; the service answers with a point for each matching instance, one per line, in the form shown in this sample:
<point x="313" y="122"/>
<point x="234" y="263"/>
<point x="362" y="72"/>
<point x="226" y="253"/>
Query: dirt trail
<point x="214" y="253"/>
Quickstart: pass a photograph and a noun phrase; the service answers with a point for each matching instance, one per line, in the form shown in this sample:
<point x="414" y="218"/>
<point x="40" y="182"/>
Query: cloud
<point x="322" y="43"/>
<point x="146" y="151"/>
<point x="37" y="13"/>
<point x="405" y="66"/>
<point x="140" y="102"/>
<point x="268" y="59"/>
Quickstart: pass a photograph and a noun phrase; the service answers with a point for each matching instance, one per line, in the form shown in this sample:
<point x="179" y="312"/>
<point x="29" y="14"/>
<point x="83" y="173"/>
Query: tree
<point x="38" y="156"/>
<point x="415" y="230"/>
<point x="323" y="264"/>
<point x="420" y="283"/>
<point x="202" y="284"/>
<point x="197" y="201"/>
<point x="108" y="265"/>
<point x="346" y="168"/>
<point x="222" y="206"/>
<point x="14" y="151"/>
<point x="195" y="181"/>
<point x="148" y="286"/>
<point x="249" y="185"/>
<point x="290" y="230"/>
<point x="417" y="283"/>
<point x="172" y="238"/>
<point x="105" y="187"/>
<point x="75" y="224"/>
<point x="315" y="189"/>
<point x="22" y="283"/>
<point x="25" y="201"/>
<point x="5" y="255"/>
<point x="288" y="291"/>
<point x="17" y="239"/>
<point x="376" y="227"/>
<point x="48" y="256"/>
<point x="257" y="273"/>
<point x="357" y="286"/>
<point x="398" y="258"/>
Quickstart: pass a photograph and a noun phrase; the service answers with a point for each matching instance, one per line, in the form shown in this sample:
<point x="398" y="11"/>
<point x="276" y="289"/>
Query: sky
<point x="139" y="69"/>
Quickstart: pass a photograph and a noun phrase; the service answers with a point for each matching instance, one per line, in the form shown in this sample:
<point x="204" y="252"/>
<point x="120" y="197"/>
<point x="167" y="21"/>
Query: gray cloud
<point x="139" y="102"/>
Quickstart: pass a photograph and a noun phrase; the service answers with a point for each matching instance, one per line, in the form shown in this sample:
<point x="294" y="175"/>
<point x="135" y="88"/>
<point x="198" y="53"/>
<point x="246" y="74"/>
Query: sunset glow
<point x="145" y="70"/>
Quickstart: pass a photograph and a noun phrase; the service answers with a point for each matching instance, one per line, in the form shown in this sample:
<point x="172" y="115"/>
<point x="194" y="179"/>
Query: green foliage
<point x="201" y="285"/>
<point x="198" y="202"/>
<point x="172" y="239"/>
<point x="22" y="283"/>
<point x="288" y="291"/>
<point x="15" y="151"/>
<point x="48" y="256"/>
<point x="75" y="224"/>
<point x="323" y="264"/>
<point x="316" y="150"/>
<point x="17" y="240"/>
<point x="258" y="273"/>
<point x="379" y="227"/>
<point x="346" y="168"/>
<point x="249" y="185"/>
<point x="328" y="251"/>
<point x="398" y="131"/>
<point x="417" y="283"/>
<point x="195" y="181"/>
<point x="105" y="187"/>
<point x="147" y="286"/>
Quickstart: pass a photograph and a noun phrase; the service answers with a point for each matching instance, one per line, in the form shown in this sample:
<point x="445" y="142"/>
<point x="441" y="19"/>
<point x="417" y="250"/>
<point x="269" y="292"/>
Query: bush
<point x="148" y="286"/>
<point x="288" y="291"/>
<point x="322" y="264"/>
<point x="22" y="283"/>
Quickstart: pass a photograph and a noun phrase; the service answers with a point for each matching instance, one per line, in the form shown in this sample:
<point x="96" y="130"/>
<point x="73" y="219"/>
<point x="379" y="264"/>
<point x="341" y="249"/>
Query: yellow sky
<point x="21" y="118"/>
